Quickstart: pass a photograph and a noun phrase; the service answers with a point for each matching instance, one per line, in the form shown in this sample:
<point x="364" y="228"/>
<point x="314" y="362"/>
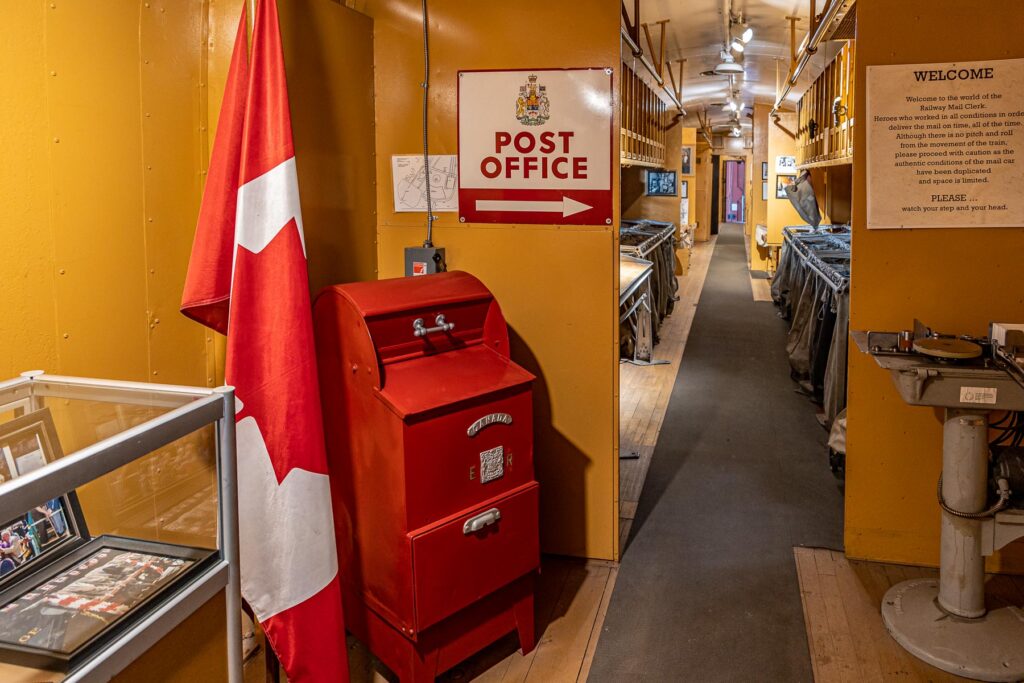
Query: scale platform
<point x="947" y="623"/>
<point x="928" y="381"/>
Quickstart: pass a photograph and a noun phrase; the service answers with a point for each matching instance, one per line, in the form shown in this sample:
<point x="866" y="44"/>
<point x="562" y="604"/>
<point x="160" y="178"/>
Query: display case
<point x="117" y="521"/>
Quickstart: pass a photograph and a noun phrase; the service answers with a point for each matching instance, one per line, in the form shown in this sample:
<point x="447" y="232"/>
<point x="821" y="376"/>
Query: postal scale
<point x="946" y="623"/>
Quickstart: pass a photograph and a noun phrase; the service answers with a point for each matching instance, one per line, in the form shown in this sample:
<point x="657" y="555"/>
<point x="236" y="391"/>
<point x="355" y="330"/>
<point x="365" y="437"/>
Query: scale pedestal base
<point x="990" y="648"/>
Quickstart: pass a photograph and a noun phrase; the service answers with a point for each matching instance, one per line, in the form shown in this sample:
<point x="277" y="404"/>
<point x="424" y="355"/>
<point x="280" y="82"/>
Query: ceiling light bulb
<point x="737" y="45"/>
<point x="747" y="35"/>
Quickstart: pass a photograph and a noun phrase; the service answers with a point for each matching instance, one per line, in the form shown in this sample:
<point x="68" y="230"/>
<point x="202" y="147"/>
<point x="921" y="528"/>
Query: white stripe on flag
<point x="265" y="205"/>
<point x="286" y="531"/>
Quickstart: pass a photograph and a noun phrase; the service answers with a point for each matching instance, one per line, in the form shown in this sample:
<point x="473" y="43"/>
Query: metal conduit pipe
<point x="812" y="46"/>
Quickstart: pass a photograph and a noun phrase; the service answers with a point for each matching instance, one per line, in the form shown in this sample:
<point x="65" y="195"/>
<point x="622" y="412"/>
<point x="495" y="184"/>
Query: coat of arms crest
<point x="532" y="105"/>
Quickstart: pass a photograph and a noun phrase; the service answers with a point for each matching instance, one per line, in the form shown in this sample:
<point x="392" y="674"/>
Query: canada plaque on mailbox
<point x="535" y="146"/>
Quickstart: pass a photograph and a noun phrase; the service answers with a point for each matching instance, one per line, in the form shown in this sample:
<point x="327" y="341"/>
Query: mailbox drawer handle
<point x="475" y="524"/>
<point x="419" y="330"/>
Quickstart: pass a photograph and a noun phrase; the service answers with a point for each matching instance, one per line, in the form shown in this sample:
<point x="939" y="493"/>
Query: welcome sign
<point x="945" y="145"/>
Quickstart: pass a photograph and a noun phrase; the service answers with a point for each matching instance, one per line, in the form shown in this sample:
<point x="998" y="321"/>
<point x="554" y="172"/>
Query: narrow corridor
<point x="739" y="477"/>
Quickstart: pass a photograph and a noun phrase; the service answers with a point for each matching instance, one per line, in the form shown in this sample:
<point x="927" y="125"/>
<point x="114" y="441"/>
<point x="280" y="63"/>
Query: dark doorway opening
<point x="735" y="195"/>
<point x="715" y="192"/>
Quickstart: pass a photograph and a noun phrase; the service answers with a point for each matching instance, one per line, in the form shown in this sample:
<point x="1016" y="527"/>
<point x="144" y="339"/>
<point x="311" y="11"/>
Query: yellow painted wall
<point x="954" y="280"/>
<point x="105" y="136"/>
<point x="329" y="58"/>
<point x="556" y="285"/>
<point x="759" y="206"/>
<point x="690" y="140"/>
<point x="108" y="111"/>
<point x="702" y="195"/>
<point x="780" y="211"/>
<point x="635" y="204"/>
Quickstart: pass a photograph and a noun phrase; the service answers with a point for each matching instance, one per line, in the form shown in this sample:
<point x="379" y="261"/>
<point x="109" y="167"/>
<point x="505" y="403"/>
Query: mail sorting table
<point x="133" y="462"/>
<point x="654" y="241"/>
<point x="429" y="428"/>
<point x="636" y="335"/>
<point x="946" y="622"/>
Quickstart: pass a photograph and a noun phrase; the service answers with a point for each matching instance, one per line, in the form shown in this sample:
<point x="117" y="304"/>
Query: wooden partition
<point x="825" y="114"/>
<point x="645" y="120"/>
<point x="955" y="280"/>
<point x="557" y="284"/>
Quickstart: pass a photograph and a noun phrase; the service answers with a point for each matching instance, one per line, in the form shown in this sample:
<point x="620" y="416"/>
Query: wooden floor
<point x="761" y="289"/>
<point x="644" y="390"/>
<point x="842" y="601"/>
<point x="572" y="598"/>
<point x="573" y="594"/>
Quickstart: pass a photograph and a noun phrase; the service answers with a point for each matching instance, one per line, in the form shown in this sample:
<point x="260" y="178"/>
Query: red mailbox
<point x="429" y="430"/>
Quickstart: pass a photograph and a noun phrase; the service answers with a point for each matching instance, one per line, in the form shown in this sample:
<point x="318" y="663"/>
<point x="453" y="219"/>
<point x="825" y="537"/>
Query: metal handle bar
<point x="420" y="330"/>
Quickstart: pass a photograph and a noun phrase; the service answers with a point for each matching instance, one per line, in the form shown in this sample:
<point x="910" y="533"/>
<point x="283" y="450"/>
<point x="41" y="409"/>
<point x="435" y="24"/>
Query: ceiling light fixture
<point x="728" y="65"/>
<point x="737" y="45"/>
<point x="748" y="35"/>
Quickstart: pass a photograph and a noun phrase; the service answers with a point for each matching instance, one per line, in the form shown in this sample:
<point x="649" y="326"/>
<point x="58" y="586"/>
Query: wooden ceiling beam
<point x="660" y="64"/>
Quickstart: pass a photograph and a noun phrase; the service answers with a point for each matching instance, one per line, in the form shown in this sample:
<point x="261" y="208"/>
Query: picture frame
<point x="785" y="164"/>
<point x="28" y="443"/>
<point x="764" y="171"/>
<point x="57" y="526"/>
<point x="660" y="183"/>
<point x="781" y="181"/>
<point x="764" y="190"/>
<point x="686" y="164"/>
<point x="684" y="189"/>
<point x="88" y="603"/>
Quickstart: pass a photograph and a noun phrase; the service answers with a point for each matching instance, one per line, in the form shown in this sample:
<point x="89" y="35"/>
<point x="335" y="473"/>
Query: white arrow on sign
<point x="566" y="207"/>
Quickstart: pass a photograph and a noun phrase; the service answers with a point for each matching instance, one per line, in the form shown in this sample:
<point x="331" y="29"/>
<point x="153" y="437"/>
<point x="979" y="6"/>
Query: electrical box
<point x="424" y="261"/>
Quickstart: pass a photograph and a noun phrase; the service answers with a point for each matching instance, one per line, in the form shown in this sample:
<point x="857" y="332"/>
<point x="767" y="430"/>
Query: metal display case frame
<point x="206" y="407"/>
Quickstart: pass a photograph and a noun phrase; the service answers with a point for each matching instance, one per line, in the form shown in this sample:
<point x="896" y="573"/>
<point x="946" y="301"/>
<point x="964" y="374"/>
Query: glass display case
<point x="118" y="520"/>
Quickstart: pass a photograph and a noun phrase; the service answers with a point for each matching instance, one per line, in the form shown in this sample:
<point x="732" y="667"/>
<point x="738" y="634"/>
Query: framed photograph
<point x="63" y="613"/>
<point x="661" y="183"/>
<point x="46" y="531"/>
<point x="781" y="181"/>
<point x="686" y="167"/>
<point x="785" y="164"/>
<point x="684" y="189"/>
<point x="764" y="190"/>
<point x="27" y="443"/>
<point x="764" y="171"/>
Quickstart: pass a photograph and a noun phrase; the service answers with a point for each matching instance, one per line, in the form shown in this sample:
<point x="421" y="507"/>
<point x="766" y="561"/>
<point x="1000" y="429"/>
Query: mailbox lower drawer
<point x="454" y="566"/>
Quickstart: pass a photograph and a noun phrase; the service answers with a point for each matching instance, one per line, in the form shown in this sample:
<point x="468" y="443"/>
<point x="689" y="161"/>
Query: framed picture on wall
<point x="687" y="164"/>
<point x="683" y="189"/>
<point x="661" y="184"/>
<point x="764" y="171"/>
<point x="764" y="190"/>
<point x="781" y="181"/>
<point x="785" y="164"/>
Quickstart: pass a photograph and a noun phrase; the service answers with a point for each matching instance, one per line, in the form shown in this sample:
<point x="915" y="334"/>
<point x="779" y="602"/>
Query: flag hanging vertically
<point x="248" y="278"/>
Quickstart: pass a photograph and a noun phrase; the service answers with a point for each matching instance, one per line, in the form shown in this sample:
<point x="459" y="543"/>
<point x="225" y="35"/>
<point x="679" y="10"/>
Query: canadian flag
<point x="249" y="255"/>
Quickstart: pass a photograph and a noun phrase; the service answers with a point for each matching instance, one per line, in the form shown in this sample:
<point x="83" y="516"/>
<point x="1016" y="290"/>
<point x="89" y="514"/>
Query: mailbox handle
<point x="475" y="524"/>
<point x="420" y="330"/>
